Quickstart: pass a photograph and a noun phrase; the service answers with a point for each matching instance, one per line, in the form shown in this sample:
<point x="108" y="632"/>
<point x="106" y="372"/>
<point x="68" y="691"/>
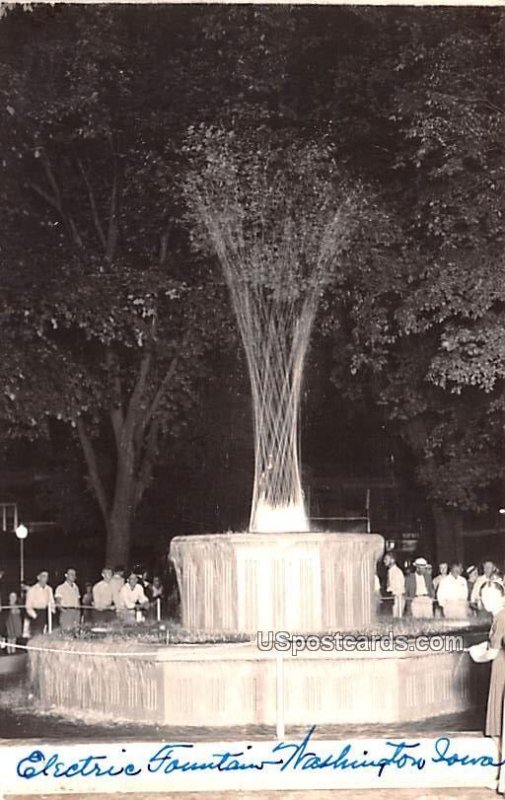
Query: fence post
<point x="279" y="695"/>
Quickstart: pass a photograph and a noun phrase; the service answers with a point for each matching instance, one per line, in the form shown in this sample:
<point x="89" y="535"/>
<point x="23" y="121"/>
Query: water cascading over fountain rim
<point x="296" y="581"/>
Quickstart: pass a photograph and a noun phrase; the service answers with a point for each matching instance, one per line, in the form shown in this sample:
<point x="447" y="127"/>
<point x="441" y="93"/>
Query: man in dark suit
<point x="419" y="591"/>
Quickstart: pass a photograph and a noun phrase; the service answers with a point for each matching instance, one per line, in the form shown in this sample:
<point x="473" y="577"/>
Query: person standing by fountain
<point x="39" y="603"/>
<point x="67" y="596"/>
<point x="443" y="570"/>
<point x="156" y="595"/>
<point x="13" y="624"/>
<point x="493" y="601"/>
<point x="489" y="573"/>
<point x="452" y="593"/>
<point x="116" y="584"/>
<point x="472" y="575"/>
<point x="87" y="602"/>
<point x="395" y="584"/>
<point x="419" y="590"/>
<point x="103" y="600"/>
<point x="132" y="599"/>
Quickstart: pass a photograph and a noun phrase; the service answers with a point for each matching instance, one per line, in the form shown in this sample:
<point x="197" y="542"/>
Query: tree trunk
<point x="120" y="517"/>
<point x="449" y="534"/>
<point x="119" y="533"/>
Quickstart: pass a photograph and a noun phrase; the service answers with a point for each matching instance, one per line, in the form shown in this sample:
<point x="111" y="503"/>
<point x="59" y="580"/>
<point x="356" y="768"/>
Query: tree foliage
<point x="103" y="324"/>
<point x="424" y="333"/>
<point x="101" y="295"/>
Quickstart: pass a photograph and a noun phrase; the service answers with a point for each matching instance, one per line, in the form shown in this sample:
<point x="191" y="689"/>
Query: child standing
<point x="13" y="624"/>
<point x="87" y="601"/>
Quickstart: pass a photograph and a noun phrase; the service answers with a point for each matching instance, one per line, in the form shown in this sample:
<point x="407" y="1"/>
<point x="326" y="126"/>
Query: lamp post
<point x="501" y="512"/>
<point x="21" y="533"/>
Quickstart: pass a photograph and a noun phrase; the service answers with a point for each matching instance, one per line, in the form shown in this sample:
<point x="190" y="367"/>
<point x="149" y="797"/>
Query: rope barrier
<point x="56" y="607"/>
<point x="154" y="602"/>
<point x="32" y="648"/>
<point x="471" y="604"/>
<point x="8" y="643"/>
<point x="95" y="653"/>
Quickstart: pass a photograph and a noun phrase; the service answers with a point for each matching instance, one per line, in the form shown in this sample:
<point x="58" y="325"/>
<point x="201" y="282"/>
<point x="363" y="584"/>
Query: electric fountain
<point x="278" y="220"/>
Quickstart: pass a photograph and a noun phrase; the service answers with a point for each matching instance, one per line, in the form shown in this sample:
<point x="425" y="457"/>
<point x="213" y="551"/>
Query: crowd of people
<point x="453" y="592"/>
<point x="132" y="596"/>
<point x="128" y="596"/>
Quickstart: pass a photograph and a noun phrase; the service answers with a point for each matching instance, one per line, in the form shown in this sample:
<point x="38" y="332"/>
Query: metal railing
<point x="51" y="610"/>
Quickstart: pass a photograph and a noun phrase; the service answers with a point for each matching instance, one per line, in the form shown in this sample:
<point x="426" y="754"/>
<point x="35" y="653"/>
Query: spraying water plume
<point x="277" y="216"/>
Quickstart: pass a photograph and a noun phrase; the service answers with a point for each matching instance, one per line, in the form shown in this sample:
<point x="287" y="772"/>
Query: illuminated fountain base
<point x="297" y="582"/>
<point x="226" y="685"/>
<point x="245" y="583"/>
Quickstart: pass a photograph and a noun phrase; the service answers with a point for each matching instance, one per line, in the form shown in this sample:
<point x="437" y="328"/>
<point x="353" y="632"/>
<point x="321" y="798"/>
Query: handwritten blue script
<point x="283" y="757"/>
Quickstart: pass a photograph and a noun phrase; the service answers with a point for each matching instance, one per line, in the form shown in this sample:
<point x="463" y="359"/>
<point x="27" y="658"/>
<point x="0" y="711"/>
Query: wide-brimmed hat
<point x="420" y="562"/>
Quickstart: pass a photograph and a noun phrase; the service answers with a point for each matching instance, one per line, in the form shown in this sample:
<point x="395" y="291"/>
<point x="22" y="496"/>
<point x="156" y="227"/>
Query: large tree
<point x="424" y="329"/>
<point x="105" y="319"/>
<point x="104" y="314"/>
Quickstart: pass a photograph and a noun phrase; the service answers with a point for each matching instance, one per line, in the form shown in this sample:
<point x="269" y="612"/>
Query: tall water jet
<point x="277" y="216"/>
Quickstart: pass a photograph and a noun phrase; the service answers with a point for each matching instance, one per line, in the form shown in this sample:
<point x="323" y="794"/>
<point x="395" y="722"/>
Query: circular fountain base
<point x="245" y="583"/>
<point x="297" y="582"/>
<point x="228" y="685"/>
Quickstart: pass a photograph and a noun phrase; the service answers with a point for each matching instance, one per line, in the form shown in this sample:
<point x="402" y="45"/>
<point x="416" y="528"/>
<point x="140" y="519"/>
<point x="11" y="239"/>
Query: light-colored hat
<point x="420" y="562"/>
<point x="470" y="569"/>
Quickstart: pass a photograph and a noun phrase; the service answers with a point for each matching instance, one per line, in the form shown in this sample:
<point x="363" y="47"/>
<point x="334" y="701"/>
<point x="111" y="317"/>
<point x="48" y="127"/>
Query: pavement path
<point x="18" y="721"/>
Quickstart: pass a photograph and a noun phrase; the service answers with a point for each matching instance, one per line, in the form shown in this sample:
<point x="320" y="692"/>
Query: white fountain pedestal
<point x="295" y="582"/>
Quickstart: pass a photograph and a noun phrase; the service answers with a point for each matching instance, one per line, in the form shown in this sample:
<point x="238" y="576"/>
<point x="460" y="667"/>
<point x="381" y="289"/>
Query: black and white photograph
<point x="252" y="401"/>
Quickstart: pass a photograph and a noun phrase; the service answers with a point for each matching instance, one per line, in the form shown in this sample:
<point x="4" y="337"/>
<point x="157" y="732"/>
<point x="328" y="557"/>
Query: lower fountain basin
<point x="225" y="685"/>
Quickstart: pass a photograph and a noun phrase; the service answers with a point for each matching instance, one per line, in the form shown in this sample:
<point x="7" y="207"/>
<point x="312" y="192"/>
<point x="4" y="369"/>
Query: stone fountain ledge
<point x="249" y="650"/>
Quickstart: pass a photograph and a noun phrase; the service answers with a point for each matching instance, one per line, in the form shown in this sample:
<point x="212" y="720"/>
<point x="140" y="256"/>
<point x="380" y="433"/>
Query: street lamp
<point x="501" y="512"/>
<point x="21" y="533"/>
